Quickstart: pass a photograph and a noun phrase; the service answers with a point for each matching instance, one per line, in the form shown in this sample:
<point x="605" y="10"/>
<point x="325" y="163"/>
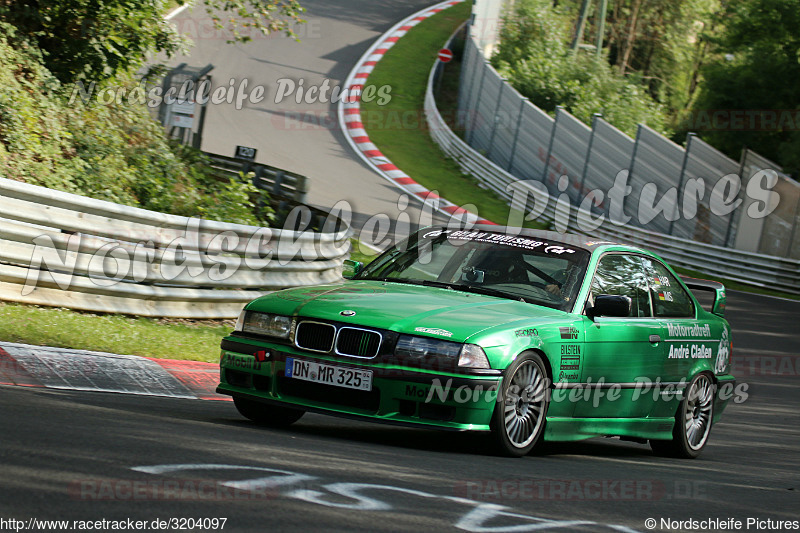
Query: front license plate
<point x="337" y="376"/>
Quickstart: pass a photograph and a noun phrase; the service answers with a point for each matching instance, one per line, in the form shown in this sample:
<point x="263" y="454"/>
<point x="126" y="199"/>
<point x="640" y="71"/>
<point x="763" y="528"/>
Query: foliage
<point x="98" y="39"/>
<point x="113" y="152"/>
<point x="757" y="68"/>
<point x="535" y="57"/>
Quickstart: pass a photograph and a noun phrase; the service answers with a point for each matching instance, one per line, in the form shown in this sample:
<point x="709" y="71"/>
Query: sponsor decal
<point x="261" y="355"/>
<point x="570" y="363"/>
<point x="417" y="392"/>
<point x="661" y="280"/>
<point x="562" y="376"/>
<point x="568" y="332"/>
<point x="689" y="351"/>
<point x="501" y="238"/>
<point x="697" y="330"/>
<point x="527" y="332"/>
<point x="723" y="353"/>
<point x="571" y="349"/>
<point x="595" y="243"/>
<point x="665" y="296"/>
<point x="237" y="361"/>
<point x="435" y="331"/>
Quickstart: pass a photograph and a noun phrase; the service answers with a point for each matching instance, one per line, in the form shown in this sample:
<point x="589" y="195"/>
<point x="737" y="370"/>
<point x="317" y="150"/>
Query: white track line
<point x="349" y="112"/>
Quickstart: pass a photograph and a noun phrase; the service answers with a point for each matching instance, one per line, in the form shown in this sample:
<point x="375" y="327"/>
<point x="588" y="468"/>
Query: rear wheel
<point x="692" y="421"/>
<point x="267" y="414"/>
<point x="519" y="416"/>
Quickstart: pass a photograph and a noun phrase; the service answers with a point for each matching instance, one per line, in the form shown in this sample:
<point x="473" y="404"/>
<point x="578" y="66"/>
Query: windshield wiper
<point x="395" y="280"/>
<point x="489" y="292"/>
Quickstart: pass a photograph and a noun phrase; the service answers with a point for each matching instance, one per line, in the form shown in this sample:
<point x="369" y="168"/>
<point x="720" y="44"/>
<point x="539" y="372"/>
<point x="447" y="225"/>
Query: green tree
<point x="534" y="54"/>
<point x="756" y="68"/>
<point x="97" y="39"/>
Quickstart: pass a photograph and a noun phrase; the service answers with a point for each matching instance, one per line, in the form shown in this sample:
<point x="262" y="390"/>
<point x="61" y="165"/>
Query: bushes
<point x="535" y="57"/>
<point x="112" y="152"/>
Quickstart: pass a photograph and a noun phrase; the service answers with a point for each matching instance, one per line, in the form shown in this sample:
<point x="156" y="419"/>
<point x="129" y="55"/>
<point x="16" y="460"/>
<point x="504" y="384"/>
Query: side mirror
<point x="351" y="268"/>
<point x="609" y="305"/>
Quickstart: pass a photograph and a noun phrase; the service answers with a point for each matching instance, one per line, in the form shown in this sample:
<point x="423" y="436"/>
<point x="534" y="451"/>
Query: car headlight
<point x="473" y="356"/>
<point x="265" y="324"/>
<point x="425" y="348"/>
<point x="413" y="347"/>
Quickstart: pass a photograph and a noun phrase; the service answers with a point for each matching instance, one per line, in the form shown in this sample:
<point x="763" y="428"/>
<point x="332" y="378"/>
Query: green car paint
<point x="499" y="307"/>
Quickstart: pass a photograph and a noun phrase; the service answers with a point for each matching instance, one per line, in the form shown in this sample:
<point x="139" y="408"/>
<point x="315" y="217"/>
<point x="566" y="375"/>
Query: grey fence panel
<point x="481" y="136"/>
<point x="611" y="152"/>
<point x="502" y="144"/>
<point x="780" y="235"/>
<point x="568" y="155"/>
<point x="708" y="224"/>
<point x="471" y="72"/>
<point x="533" y="141"/>
<point x="657" y="162"/>
<point x="468" y="70"/>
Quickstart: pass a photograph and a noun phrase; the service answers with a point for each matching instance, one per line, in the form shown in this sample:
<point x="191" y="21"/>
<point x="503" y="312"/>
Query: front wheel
<point x="519" y="416"/>
<point x="692" y="421"/>
<point x="267" y="414"/>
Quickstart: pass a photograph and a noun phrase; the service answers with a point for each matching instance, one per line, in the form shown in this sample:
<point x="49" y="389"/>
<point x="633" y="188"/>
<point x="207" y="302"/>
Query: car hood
<point x="430" y="311"/>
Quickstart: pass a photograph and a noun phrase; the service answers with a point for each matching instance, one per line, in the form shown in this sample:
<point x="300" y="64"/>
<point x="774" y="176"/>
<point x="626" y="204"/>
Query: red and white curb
<point x="349" y="113"/>
<point x="58" y="368"/>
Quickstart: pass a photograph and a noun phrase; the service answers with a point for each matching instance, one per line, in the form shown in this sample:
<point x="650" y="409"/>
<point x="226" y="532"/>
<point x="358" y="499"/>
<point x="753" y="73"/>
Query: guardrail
<point x="277" y="181"/>
<point x="753" y="269"/>
<point x="64" y="250"/>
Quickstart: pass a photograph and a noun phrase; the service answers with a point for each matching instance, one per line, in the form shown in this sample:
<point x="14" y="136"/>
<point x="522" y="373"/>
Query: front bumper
<point x="399" y="395"/>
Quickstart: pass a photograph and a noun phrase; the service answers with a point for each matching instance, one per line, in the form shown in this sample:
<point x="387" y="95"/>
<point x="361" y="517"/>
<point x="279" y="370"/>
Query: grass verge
<point x="399" y="128"/>
<point x="196" y="340"/>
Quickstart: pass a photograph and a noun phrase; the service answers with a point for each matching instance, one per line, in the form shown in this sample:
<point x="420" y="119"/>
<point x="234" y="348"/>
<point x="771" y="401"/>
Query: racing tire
<point x="267" y="414"/>
<point x="518" y="419"/>
<point x="692" y="421"/>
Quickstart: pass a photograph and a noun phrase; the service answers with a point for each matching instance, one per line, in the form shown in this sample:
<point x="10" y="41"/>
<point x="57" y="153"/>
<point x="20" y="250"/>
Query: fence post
<point x="516" y="133"/>
<point x="589" y="151"/>
<point x="559" y="109"/>
<point x="495" y="120"/>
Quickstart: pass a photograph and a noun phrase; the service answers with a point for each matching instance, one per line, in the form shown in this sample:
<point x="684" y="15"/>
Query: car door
<point x="624" y="354"/>
<point x="686" y="339"/>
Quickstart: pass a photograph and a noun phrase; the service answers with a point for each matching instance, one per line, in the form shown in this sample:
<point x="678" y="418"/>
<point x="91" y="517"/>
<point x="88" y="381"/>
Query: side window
<point x="623" y="275"/>
<point x="669" y="297"/>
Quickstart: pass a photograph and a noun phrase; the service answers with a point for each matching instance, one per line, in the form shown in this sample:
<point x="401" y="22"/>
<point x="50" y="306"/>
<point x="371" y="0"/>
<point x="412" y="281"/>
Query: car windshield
<point x="522" y="268"/>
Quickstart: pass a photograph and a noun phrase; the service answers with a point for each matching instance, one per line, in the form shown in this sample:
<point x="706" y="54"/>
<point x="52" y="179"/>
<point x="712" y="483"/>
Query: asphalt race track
<point x="81" y="456"/>
<point x="302" y="137"/>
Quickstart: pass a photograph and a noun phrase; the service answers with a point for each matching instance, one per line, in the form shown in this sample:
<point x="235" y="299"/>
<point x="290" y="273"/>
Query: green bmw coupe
<point x="530" y="335"/>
